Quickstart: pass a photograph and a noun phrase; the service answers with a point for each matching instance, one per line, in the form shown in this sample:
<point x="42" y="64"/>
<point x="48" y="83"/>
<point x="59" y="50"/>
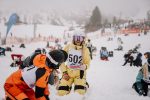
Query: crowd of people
<point x="73" y="61"/>
<point x="134" y="58"/>
<point x="143" y="77"/>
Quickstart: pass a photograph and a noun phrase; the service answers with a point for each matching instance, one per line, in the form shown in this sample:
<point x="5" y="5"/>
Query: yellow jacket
<point x="85" y="55"/>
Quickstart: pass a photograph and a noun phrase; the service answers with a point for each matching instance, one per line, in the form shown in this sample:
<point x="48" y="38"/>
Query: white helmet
<point x="78" y="36"/>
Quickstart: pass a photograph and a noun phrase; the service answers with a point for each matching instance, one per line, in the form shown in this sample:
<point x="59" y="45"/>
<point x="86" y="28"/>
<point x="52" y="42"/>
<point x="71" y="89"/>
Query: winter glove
<point x="140" y="92"/>
<point x="56" y="77"/>
<point x="56" y="80"/>
<point x="47" y="97"/>
<point x="12" y="65"/>
<point x="66" y="76"/>
<point x="147" y="80"/>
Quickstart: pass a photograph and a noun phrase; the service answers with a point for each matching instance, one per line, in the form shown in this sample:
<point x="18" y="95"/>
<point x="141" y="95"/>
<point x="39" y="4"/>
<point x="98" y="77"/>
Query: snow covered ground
<point x="108" y="80"/>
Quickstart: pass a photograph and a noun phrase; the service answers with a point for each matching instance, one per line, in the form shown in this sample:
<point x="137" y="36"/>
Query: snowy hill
<point x="26" y="31"/>
<point x="108" y="79"/>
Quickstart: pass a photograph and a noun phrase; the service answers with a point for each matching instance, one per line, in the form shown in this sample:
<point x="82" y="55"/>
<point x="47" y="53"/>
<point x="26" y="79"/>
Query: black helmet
<point x="56" y="57"/>
<point x="148" y="54"/>
<point x="38" y="50"/>
<point x="148" y="61"/>
<point x="65" y="55"/>
<point x="59" y="55"/>
<point x="89" y="40"/>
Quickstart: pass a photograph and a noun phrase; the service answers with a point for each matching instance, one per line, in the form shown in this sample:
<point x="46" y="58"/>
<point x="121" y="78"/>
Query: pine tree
<point x="95" y="21"/>
<point x="106" y="22"/>
<point x="115" y="22"/>
<point x="148" y="15"/>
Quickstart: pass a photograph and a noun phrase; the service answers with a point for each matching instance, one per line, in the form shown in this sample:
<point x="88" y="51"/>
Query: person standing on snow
<point x="74" y="69"/>
<point x="89" y="46"/>
<point x="119" y="42"/>
<point x="19" y="85"/>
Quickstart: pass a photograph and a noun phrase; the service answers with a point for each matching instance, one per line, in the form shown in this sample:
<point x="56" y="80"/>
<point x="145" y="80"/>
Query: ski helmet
<point x="89" y="40"/>
<point x="148" y="61"/>
<point x="78" y="37"/>
<point x="65" y="55"/>
<point x="147" y="54"/>
<point x="38" y="50"/>
<point x="56" y="57"/>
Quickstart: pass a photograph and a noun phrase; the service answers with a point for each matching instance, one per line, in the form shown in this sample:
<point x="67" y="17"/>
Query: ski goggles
<point x="78" y="38"/>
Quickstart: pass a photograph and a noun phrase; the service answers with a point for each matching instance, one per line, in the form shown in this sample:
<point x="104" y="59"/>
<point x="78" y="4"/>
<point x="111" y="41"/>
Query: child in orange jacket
<point x="20" y="84"/>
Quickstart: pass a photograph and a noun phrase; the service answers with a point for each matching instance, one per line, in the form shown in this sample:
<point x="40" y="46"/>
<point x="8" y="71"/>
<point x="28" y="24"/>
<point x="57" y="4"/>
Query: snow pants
<point x="15" y="93"/>
<point x="16" y="89"/>
<point x="77" y="78"/>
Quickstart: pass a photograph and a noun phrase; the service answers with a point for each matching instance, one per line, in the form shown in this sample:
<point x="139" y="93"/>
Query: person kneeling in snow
<point x="19" y="85"/>
<point x="143" y="77"/>
<point x="138" y="61"/>
<point x="104" y="54"/>
<point x="74" y="70"/>
<point x="128" y="58"/>
<point x="89" y="46"/>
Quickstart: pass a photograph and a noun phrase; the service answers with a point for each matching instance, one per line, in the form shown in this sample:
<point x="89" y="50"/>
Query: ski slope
<point x="108" y="80"/>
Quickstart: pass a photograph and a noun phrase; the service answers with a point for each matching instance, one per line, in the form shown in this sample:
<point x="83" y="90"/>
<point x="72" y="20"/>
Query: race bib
<point x="74" y="59"/>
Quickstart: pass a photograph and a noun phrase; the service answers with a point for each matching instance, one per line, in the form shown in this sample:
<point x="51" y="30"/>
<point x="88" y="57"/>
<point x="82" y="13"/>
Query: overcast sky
<point x="131" y="8"/>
